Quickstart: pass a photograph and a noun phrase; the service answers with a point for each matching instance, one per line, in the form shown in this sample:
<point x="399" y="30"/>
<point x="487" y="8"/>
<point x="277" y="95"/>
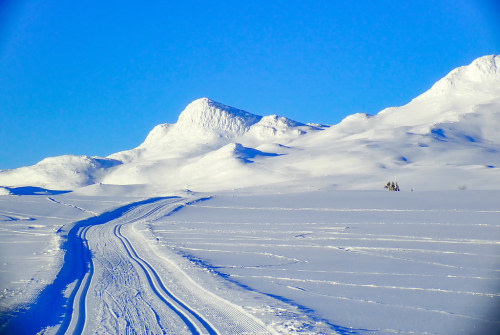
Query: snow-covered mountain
<point x="210" y="146"/>
<point x="446" y="138"/>
<point x="62" y="172"/>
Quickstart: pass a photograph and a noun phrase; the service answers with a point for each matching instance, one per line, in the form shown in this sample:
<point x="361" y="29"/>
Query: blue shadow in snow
<point x="306" y="310"/>
<point x="51" y="307"/>
<point x="246" y="154"/>
<point x="32" y="190"/>
<point x="439" y="134"/>
<point x="252" y="153"/>
<point x="471" y="139"/>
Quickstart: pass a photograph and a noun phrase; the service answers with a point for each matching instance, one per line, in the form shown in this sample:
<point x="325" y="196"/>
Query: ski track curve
<point x="106" y="285"/>
<point x="61" y="306"/>
<point x="76" y="323"/>
<point x="197" y="326"/>
<point x="177" y="303"/>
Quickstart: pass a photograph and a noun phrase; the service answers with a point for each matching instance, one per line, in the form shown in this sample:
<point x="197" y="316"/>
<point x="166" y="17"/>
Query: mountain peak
<point x="487" y="65"/>
<point x="211" y="115"/>
<point x="465" y="78"/>
<point x="203" y="102"/>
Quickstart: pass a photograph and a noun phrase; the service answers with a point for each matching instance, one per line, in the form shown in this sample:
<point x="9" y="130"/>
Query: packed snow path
<point x="112" y="287"/>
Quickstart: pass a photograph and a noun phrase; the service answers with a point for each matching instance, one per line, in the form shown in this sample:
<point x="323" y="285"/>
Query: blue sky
<point x="93" y="77"/>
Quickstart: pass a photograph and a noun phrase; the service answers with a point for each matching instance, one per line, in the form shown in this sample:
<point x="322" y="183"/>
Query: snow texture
<point x="262" y="261"/>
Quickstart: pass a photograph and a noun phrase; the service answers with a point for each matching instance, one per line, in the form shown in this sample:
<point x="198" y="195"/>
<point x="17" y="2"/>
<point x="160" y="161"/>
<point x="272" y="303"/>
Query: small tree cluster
<point x="391" y="186"/>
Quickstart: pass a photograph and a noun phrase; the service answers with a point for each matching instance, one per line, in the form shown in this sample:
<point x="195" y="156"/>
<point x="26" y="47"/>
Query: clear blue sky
<point x="93" y="77"/>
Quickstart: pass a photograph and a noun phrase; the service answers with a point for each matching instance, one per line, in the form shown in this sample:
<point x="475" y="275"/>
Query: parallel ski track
<point x="75" y="323"/>
<point x="196" y="326"/>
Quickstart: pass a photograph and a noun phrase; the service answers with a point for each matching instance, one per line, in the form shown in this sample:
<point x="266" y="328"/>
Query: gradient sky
<point x="93" y="77"/>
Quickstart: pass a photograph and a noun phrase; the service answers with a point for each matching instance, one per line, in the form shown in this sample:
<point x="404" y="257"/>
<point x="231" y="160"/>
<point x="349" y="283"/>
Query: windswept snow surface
<point x="116" y="278"/>
<point x="253" y="261"/>
<point x="373" y="262"/>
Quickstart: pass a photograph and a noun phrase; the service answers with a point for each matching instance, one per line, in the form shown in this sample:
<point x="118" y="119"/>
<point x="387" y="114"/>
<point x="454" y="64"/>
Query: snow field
<point x="127" y="287"/>
<point x="32" y="230"/>
<point x="231" y="308"/>
<point x="322" y="261"/>
<point x="408" y="262"/>
<point x="30" y="254"/>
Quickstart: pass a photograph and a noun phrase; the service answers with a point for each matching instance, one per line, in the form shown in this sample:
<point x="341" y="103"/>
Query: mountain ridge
<point x="213" y="146"/>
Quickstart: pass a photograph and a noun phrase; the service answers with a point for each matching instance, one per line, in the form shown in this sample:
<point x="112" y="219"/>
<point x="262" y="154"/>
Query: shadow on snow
<point x="32" y="190"/>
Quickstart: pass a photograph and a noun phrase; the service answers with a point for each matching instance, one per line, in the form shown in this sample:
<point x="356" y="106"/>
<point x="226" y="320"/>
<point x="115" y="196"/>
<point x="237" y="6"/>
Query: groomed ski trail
<point x="129" y="295"/>
<point x="112" y="282"/>
<point x="197" y="325"/>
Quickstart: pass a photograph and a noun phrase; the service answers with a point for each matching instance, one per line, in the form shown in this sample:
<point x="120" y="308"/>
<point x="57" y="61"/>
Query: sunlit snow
<point x="228" y="222"/>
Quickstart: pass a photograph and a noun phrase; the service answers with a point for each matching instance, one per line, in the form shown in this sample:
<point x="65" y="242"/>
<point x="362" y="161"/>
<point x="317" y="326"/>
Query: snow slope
<point x="210" y="147"/>
<point x="446" y="138"/>
<point x="64" y="172"/>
